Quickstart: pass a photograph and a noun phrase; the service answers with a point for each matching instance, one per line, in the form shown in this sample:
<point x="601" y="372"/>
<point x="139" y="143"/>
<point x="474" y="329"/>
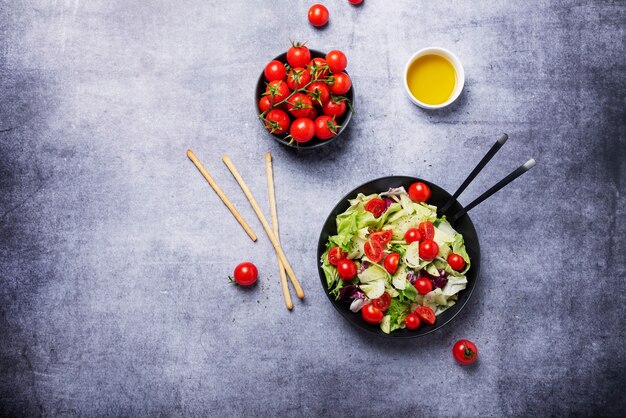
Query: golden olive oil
<point x="431" y="79"/>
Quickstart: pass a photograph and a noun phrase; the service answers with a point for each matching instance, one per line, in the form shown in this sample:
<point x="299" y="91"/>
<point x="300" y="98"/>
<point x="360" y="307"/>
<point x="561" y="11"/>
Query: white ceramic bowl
<point x="458" y="68"/>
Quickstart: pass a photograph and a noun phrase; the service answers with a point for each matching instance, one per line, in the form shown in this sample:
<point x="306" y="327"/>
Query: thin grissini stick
<point x="221" y="194"/>
<point x="266" y="226"/>
<point x="272" y="195"/>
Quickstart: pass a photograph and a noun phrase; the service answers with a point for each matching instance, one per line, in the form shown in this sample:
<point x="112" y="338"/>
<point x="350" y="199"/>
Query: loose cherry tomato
<point x="427" y="229"/>
<point x="298" y="77"/>
<point x="428" y="249"/>
<point x="373" y="251"/>
<point x="346" y="269"/>
<point x="300" y="105"/>
<point x="335" y="255"/>
<point x="465" y="352"/>
<point x="298" y="55"/>
<point x="302" y="130"/>
<point x="277" y="121"/>
<point x="382" y="236"/>
<point x="355" y="2"/>
<point x="319" y="68"/>
<point x="382" y="302"/>
<point x="391" y="262"/>
<point x="318" y="15"/>
<point x="277" y="91"/>
<point x="426" y="314"/>
<point x="319" y="92"/>
<point x="412" y="322"/>
<point x="456" y="262"/>
<point x="264" y="103"/>
<point x="376" y="207"/>
<point x="412" y="235"/>
<point x="325" y="127"/>
<point x="341" y="83"/>
<point x="419" y="192"/>
<point x="423" y="285"/>
<point x="336" y="106"/>
<point x="246" y="274"/>
<point x="371" y="314"/>
<point x="275" y="70"/>
<point x="337" y="61"/>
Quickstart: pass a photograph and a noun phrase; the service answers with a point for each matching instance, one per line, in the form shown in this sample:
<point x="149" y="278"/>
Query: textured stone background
<point x="114" y="252"/>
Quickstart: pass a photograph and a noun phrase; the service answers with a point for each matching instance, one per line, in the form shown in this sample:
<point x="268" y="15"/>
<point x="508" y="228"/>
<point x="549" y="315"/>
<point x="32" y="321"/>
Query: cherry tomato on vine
<point x="298" y="55"/>
<point x="337" y="61"/>
<point x="319" y="92"/>
<point x="277" y="121"/>
<point x="465" y="352"/>
<point x="376" y="206"/>
<point x="426" y="314"/>
<point x="419" y="192"/>
<point x="382" y="302"/>
<point x="391" y="262"/>
<point x="302" y="129"/>
<point x="246" y="274"/>
<point x="277" y="91"/>
<point x="298" y="77"/>
<point x="428" y="249"/>
<point x="312" y="114"/>
<point x="325" y="127"/>
<point x="383" y="236"/>
<point x="335" y="255"/>
<point x="341" y="83"/>
<point x="423" y="285"/>
<point x="346" y="269"/>
<point x="412" y="322"/>
<point x="371" y="314"/>
<point x="275" y="70"/>
<point x="300" y="105"/>
<point x="427" y="229"/>
<point x="264" y="103"/>
<point x="336" y="106"/>
<point x="456" y="262"/>
<point x="318" y="15"/>
<point x="374" y="251"/>
<point x="412" y="235"/>
<point x="319" y="67"/>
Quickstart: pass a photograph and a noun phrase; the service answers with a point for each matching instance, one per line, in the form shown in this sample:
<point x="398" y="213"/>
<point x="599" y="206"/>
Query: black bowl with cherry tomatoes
<point x="438" y="198"/>
<point x="341" y="120"/>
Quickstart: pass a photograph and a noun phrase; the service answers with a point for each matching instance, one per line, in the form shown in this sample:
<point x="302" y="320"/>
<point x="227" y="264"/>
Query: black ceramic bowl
<point x="313" y="143"/>
<point x="438" y="198"/>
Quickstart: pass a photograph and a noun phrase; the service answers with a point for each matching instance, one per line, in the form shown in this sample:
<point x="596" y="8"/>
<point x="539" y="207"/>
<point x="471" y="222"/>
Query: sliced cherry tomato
<point x="426" y="314"/>
<point x="277" y="91"/>
<point x="277" y="121"/>
<point x="275" y="70"/>
<point x="318" y="15"/>
<point x="382" y="302"/>
<point x="318" y="68"/>
<point x="319" y="92"/>
<point x="412" y="235"/>
<point x="427" y="229"/>
<point x="346" y="269"/>
<point x="325" y="127"/>
<point x="298" y="55"/>
<point x="373" y="251"/>
<point x="264" y="103"/>
<point x="337" y="61"/>
<point x="371" y="314"/>
<point x="246" y="274"/>
<point x="428" y="249"/>
<point x="376" y="207"/>
<point x="383" y="236"/>
<point x="412" y="322"/>
<point x="391" y="262"/>
<point x="419" y="192"/>
<point x="341" y="83"/>
<point x="465" y="352"/>
<point x="300" y="105"/>
<point x="298" y="77"/>
<point x="302" y="129"/>
<point x="423" y="285"/>
<point x="456" y="262"/>
<point x="336" y="106"/>
<point x="335" y="255"/>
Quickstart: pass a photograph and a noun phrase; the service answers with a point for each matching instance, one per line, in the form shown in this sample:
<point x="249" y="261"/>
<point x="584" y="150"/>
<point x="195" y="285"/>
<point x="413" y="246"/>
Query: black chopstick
<point x="515" y="174"/>
<point x="495" y="148"/>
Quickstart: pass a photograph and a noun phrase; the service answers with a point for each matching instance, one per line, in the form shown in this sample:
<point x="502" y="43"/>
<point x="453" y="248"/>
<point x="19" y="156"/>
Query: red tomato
<point x="428" y="249"/>
<point x="312" y="114"/>
<point x="337" y="61"/>
<point x="456" y="262"/>
<point x="419" y="192"/>
<point x="376" y="206"/>
<point x="319" y="92"/>
<point x="318" y="68"/>
<point x="412" y="322"/>
<point x="382" y="302"/>
<point x="302" y="130"/>
<point x="391" y="262"/>
<point x="346" y="269"/>
<point x="355" y="1"/>
<point x="277" y="121"/>
<point x="371" y="314"/>
<point x="427" y="229"/>
<point x="412" y="235"/>
<point x="246" y="274"/>
<point x="426" y="314"/>
<point x="423" y="285"/>
<point x="300" y="105"/>
<point x="382" y="236"/>
<point x="325" y="127"/>
<point x="335" y="255"/>
<point x="264" y="103"/>
<point x="373" y="251"/>
<point x="336" y="106"/>
<point x="277" y="91"/>
<point x="275" y="70"/>
<point x="318" y="15"/>
<point x="298" y="55"/>
<point x="298" y="77"/>
<point x="465" y="352"/>
<point x="341" y="83"/>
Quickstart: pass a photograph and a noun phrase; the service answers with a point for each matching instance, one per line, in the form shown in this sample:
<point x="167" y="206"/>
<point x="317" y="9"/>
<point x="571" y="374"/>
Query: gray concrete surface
<point x="114" y="252"/>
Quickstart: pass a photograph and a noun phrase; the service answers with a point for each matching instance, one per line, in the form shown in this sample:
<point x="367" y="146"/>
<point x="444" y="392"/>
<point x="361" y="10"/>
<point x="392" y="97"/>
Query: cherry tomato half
<point x="376" y="206"/>
<point x="346" y="269"/>
<point x="373" y="251"/>
<point x="428" y="250"/>
<point x="456" y="262"/>
<point x="318" y="15"/>
<point x="465" y="352"/>
<point x="419" y="192"/>
<point x="382" y="302"/>
<point x="426" y="314"/>
<point x="427" y="229"/>
<point x="335" y="255"/>
<point x="391" y="262"/>
<point x="382" y="236"/>
<point x="246" y="274"/>
<point x="412" y="322"/>
<point x="423" y="285"/>
<point x="371" y="314"/>
<point x="412" y="235"/>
